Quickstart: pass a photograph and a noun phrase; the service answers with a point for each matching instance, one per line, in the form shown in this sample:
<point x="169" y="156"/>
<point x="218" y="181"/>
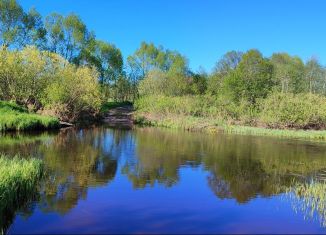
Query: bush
<point x="73" y="92"/>
<point x="24" y="74"/>
<point x="41" y="79"/>
<point x="285" y="110"/>
<point x="218" y="108"/>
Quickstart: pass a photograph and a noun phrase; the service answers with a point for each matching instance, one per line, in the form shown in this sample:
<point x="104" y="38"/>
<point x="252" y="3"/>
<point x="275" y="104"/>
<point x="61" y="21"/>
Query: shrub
<point x="38" y="79"/>
<point x="286" y="110"/>
<point x="207" y="106"/>
<point x="74" y="91"/>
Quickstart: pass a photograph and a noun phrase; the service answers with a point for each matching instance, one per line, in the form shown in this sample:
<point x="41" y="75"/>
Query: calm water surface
<point x="147" y="180"/>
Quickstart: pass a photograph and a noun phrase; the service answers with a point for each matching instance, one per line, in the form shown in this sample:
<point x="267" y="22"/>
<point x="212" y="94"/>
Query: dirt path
<point x="119" y="117"/>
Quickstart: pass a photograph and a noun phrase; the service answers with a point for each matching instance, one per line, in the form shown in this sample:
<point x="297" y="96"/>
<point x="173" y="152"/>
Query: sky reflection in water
<point x="154" y="180"/>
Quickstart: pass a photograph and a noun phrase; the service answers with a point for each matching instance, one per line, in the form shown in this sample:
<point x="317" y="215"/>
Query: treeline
<point x="57" y="65"/>
<point x="245" y="88"/>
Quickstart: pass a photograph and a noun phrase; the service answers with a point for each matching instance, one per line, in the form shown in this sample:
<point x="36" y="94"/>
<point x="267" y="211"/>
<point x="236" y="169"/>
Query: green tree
<point x="106" y="58"/>
<point x="23" y="75"/>
<point x="11" y="22"/>
<point x="228" y="62"/>
<point x="18" y="28"/>
<point x="145" y="59"/>
<point x="34" y="32"/>
<point x="252" y="78"/>
<point x="67" y="35"/>
<point x="314" y="76"/>
<point x="199" y="82"/>
<point x="288" y="72"/>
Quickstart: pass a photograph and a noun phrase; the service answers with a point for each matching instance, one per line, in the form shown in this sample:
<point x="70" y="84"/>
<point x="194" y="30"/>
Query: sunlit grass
<point x="213" y="126"/>
<point x="14" y="117"/>
<point x="18" y="181"/>
<point x="301" y="134"/>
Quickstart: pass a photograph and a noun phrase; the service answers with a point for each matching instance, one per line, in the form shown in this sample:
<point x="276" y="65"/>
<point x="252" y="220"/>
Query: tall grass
<point x="300" y="134"/>
<point x="18" y="180"/>
<point x="14" y="117"/>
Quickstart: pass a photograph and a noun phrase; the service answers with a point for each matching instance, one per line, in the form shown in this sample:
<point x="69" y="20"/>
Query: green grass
<point x="14" y="117"/>
<point x="18" y="180"/>
<point x="210" y="125"/>
<point x="300" y="134"/>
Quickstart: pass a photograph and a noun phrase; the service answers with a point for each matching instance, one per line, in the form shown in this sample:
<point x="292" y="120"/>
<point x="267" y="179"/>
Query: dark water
<point x="150" y="180"/>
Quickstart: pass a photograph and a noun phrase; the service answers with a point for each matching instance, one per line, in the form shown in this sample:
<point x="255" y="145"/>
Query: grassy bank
<point x="210" y="125"/>
<point x="14" y="117"/>
<point x="18" y="179"/>
<point x="280" y="115"/>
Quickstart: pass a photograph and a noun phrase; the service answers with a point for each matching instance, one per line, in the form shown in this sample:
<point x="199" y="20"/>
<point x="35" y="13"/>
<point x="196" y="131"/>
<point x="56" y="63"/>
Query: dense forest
<point x="56" y="66"/>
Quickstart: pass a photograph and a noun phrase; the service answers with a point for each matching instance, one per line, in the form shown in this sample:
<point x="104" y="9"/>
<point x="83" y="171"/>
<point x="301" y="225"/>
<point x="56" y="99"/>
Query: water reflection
<point x="239" y="167"/>
<point x="235" y="167"/>
<point x="75" y="162"/>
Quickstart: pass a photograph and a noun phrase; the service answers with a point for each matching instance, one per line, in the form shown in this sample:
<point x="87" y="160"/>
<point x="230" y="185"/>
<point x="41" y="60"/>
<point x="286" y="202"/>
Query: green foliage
<point x="111" y="105"/>
<point x="66" y="35"/>
<point x="19" y="28"/>
<point x="11" y="21"/>
<point x="73" y="91"/>
<point x="228" y="62"/>
<point x="45" y="80"/>
<point x="18" y="182"/>
<point x="315" y="77"/>
<point x="164" y="70"/>
<point x="14" y="117"/>
<point x="252" y="79"/>
<point x="278" y="110"/>
<point x="106" y="58"/>
<point x="196" y="106"/>
<point x="288" y="73"/>
<point x="305" y="111"/>
<point x="24" y="74"/>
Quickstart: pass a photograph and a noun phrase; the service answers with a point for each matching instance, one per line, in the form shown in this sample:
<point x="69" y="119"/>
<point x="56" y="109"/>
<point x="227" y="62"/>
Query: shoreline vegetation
<point x="190" y="123"/>
<point x="205" y="114"/>
<point x="15" y="118"/>
<point x="18" y="181"/>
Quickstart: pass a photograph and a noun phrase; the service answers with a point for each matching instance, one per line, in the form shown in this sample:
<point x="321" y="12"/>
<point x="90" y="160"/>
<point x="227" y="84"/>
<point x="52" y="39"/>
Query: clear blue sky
<point x="203" y="30"/>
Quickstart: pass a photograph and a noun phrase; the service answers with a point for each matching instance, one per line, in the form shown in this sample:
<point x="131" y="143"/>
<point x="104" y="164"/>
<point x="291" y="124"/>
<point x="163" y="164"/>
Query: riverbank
<point x="192" y="123"/>
<point x="15" y="118"/>
<point x="18" y="180"/>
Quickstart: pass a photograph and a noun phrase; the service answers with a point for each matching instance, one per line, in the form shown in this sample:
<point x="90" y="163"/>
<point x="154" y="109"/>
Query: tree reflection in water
<point x="236" y="167"/>
<point x="239" y="167"/>
<point x="75" y="162"/>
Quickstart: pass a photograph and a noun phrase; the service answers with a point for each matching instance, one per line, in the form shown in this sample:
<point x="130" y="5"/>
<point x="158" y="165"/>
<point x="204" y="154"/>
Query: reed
<point x="18" y="181"/>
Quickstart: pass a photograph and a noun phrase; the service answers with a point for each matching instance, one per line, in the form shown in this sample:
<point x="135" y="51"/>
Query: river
<point x="152" y="180"/>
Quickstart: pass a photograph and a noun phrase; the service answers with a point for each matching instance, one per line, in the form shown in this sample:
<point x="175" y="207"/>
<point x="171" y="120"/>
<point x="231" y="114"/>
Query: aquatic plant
<point x="18" y="181"/>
